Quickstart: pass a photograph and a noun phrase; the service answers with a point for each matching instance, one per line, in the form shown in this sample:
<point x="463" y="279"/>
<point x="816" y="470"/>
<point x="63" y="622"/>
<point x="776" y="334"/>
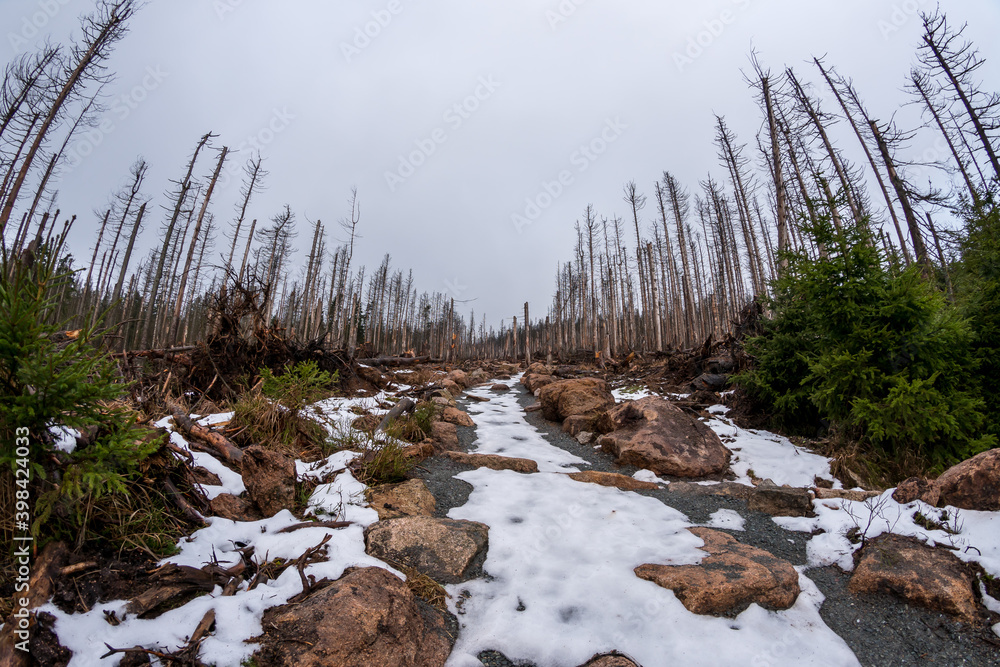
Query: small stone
<point x="610" y="660"/>
<point x="585" y="438"/>
<point x="844" y="494"/>
<point x="500" y="387"/>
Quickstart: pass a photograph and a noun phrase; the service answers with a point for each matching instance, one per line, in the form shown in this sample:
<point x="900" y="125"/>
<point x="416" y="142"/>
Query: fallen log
<point x="315" y="524"/>
<point x="156" y="354"/>
<point x="404" y="405"/>
<point x="219" y="443"/>
<point x="394" y="361"/>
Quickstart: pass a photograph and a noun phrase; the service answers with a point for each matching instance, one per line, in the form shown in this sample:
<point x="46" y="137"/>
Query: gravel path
<point x="880" y="629"/>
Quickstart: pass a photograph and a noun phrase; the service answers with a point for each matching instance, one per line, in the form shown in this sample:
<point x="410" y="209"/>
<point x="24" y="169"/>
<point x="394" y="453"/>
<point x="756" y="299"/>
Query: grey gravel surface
<point x="880" y="629"/>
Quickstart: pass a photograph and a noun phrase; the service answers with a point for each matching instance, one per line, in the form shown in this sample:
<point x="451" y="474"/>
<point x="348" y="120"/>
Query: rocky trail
<point x="565" y="531"/>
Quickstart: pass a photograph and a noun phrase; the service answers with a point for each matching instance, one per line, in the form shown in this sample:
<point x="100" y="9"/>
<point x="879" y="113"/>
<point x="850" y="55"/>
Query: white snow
<point x="977" y="539"/>
<point x="561" y="585"/>
<point x="770" y="456"/>
<point x="65" y="438"/>
<point x="648" y="476"/>
<point x="504" y="431"/>
<point x="238" y="617"/>
<point x="637" y="391"/>
<point x="728" y="519"/>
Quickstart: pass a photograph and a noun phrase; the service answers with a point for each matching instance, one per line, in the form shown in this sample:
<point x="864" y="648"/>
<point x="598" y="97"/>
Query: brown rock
<point x="575" y="397"/>
<point x="723" y="489"/>
<point x="610" y="660"/>
<point x="534" y="407"/>
<point x="421" y="451"/>
<point x="585" y="437"/>
<point x="446" y="550"/>
<point x="843" y="494"/>
<point x="368" y="618"/>
<point x="443" y="402"/>
<point x="411" y="498"/>
<point x="450" y="386"/>
<point x="500" y="387"/>
<point x="457" y="417"/>
<point x="732" y="576"/>
<point x="445" y="436"/>
<point x="493" y="462"/>
<point x="622" y="482"/>
<point x="460" y="378"/>
<point x="919" y="574"/>
<point x="534" y="382"/>
<point x="203" y="476"/>
<point x="230" y="507"/>
<point x="915" y="488"/>
<point x="577" y="424"/>
<point x="972" y="484"/>
<point x="270" y="479"/>
<point x="652" y="433"/>
<point x="537" y="368"/>
<point x="781" y="501"/>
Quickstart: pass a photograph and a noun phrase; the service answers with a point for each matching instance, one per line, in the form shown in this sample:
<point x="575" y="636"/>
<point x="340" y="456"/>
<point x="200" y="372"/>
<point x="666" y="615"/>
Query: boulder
<point x="731" y="577"/>
<point x="500" y="387"/>
<point x="567" y="398"/>
<point x="368" y="618"/>
<point x="972" y="484"/>
<point x="477" y="376"/>
<point x="493" y="462"/>
<point x="231" y="507"/>
<point x="445" y="436"/>
<point x="534" y="382"/>
<point x="710" y="382"/>
<point x="613" y="479"/>
<point x="781" y="501"/>
<point x="460" y="378"/>
<point x="445" y="550"/>
<point x="457" y="417"/>
<point x="610" y="660"/>
<point x="537" y="368"/>
<point x="270" y="479"/>
<point x="919" y="574"/>
<point x="450" y="386"/>
<point x="443" y="402"/>
<point x="916" y="488"/>
<point x="411" y="498"/>
<point x="652" y="433"/>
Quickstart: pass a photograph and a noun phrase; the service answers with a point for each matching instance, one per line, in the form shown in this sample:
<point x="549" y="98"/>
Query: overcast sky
<point x="364" y="93"/>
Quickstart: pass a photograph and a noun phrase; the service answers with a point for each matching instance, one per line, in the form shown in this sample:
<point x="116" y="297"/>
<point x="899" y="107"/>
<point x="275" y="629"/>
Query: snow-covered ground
<point x="562" y="588"/>
<point x="560" y="584"/>
<point x="238" y="617"/>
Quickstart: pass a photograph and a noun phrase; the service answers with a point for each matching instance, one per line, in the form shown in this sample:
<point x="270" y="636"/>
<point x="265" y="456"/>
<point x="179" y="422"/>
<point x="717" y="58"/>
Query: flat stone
<point x="722" y="489"/>
<point x="493" y="462"/>
<point x="730" y="578"/>
<point x="411" y="498"/>
<point x="921" y="575"/>
<point x="844" y="494"/>
<point x="443" y="549"/>
<point x="781" y="501"/>
<point x="613" y="479"/>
